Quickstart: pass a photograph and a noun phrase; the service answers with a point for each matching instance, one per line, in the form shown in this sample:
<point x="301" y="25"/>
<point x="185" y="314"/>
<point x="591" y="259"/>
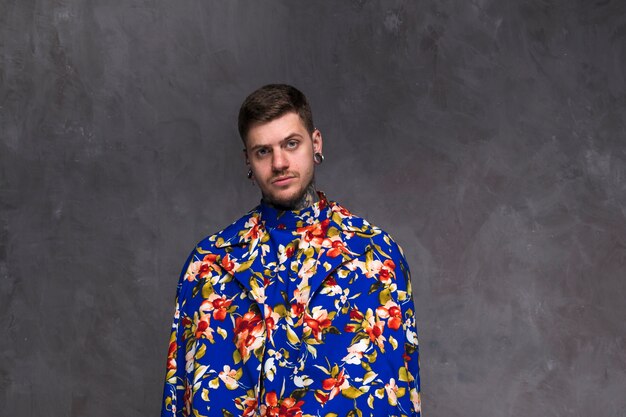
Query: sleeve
<point x="175" y="378"/>
<point x="409" y="374"/>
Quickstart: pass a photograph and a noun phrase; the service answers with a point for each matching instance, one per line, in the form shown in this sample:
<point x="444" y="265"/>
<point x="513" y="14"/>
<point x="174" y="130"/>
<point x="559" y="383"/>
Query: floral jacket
<point x="303" y="313"/>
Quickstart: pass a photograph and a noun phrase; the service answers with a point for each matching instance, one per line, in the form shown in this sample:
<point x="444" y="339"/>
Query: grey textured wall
<point x="489" y="137"/>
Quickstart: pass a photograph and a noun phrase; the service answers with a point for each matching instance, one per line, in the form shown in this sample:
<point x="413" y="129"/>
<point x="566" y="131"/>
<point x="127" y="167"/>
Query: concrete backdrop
<point x="488" y="137"/>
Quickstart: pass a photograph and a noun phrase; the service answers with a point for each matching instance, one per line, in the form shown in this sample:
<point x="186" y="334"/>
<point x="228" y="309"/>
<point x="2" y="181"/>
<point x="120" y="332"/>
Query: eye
<point x="262" y="152"/>
<point x="292" y="144"/>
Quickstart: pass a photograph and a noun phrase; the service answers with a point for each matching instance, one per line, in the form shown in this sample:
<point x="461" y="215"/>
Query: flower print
<point x="355" y="314"/>
<point x="171" y="353"/>
<point x="201" y="269"/>
<point x="285" y="252"/>
<point x="228" y="264"/>
<point x="302" y="381"/>
<point x="247" y="404"/>
<point x="384" y="270"/>
<point x="269" y="369"/>
<point x="336" y="208"/>
<point x="230" y="377"/>
<point x="344" y="296"/>
<point x="190" y="359"/>
<point x="331" y="287"/>
<point x="317" y="322"/>
<point x="355" y="264"/>
<point x="297" y="309"/>
<point x="271" y="321"/>
<point x="251" y="230"/>
<point x="415" y="400"/>
<point x="187" y="399"/>
<point x="286" y="407"/>
<point x="336" y="247"/>
<point x="356" y="352"/>
<point x="370" y="323"/>
<point x="321" y="206"/>
<point x="193" y="270"/>
<point x="393" y="392"/>
<point x="390" y="311"/>
<point x="308" y="268"/>
<point x="202" y="324"/>
<point x="218" y="304"/>
<point x="248" y="331"/>
<point x="335" y="385"/>
<point x="300" y="297"/>
<point x="313" y="235"/>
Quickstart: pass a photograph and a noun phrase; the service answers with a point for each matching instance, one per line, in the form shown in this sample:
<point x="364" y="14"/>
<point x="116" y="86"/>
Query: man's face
<point x="280" y="154"/>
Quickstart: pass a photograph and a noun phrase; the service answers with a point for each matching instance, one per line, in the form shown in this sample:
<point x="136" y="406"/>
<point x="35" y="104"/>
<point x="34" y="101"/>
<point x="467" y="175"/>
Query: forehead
<point x="276" y="130"/>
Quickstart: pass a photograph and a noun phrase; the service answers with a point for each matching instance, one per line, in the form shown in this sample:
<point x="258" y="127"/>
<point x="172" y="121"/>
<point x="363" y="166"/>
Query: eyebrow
<point x="287" y="138"/>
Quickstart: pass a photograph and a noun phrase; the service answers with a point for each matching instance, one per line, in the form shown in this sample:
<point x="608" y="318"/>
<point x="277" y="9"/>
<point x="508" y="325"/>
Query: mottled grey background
<point x="488" y="137"/>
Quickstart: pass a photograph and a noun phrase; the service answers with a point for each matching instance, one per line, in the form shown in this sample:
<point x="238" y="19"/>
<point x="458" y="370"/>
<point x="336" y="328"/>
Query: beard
<point x="298" y="201"/>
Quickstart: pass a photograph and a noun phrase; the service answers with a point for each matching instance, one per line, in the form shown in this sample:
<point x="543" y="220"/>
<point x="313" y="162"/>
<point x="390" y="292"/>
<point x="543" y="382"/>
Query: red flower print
<point x="201" y="269"/>
<point x="187" y="399"/>
<point x="228" y="264"/>
<point x="384" y="270"/>
<point x="248" y="406"/>
<point x="321" y="397"/>
<point x="341" y="210"/>
<point x="317" y="322"/>
<point x="314" y="233"/>
<point x="252" y="228"/>
<point x="337" y="247"/>
<point x="297" y="307"/>
<point x="248" y="331"/>
<point x="171" y="355"/>
<point x="355" y="314"/>
<point x="392" y="312"/>
<point x="271" y="320"/>
<point x="322" y="204"/>
<point x="287" y="407"/>
<point x="217" y="304"/>
<point x="335" y="385"/>
<point x="203" y="327"/>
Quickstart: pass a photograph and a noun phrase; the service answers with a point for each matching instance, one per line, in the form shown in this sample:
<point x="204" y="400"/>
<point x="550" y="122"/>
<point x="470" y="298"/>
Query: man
<point x="299" y="308"/>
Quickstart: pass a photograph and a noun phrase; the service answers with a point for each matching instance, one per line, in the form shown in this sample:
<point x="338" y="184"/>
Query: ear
<point x="316" y="136"/>
<point x="245" y="156"/>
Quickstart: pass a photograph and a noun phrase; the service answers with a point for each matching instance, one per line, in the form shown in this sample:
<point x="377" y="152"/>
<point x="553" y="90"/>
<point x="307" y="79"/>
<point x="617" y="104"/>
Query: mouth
<point x="280" y="181"/>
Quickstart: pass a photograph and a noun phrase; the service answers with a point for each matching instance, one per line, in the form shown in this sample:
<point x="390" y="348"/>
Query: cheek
<point x="259" y="167"/>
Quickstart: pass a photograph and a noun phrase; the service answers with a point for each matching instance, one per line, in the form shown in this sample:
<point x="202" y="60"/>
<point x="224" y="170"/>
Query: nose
<point x="279" y="161"/>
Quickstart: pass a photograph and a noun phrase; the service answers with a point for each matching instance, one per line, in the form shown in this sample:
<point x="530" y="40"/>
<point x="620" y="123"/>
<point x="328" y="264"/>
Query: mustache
<point x="282" y="175"/>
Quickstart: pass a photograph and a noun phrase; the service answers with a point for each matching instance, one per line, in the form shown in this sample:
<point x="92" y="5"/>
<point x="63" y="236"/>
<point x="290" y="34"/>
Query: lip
<point x="282" y="180"/>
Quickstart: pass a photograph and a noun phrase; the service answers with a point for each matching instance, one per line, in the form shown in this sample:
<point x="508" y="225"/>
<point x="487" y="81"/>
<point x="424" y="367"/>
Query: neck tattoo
<point x="308" y="198"/>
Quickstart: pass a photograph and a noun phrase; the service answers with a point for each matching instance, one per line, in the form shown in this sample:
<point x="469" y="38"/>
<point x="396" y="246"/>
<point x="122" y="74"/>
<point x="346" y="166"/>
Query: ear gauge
<point x="318" y="158"/>
<point x="249" y="174"/>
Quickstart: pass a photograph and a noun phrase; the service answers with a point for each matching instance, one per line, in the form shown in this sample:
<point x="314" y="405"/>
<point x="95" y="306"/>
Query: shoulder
<point x="230" y="235"/>
<point x="378" y="238"/>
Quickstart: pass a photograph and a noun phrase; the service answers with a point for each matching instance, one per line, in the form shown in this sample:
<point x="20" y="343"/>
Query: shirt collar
<point x="292" y="219"/>
<point x="253" y="226"/>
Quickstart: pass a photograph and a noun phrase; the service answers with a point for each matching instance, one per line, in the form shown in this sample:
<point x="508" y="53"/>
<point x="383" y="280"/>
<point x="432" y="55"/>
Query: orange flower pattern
<point x="294" y="314"/>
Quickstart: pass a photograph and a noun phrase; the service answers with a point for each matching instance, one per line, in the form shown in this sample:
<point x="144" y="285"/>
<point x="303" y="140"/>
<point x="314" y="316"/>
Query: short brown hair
<point x="271" y="102"/>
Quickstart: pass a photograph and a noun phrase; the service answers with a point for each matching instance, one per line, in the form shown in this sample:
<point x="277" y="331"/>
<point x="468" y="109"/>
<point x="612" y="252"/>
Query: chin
<point x="286" y="200"/>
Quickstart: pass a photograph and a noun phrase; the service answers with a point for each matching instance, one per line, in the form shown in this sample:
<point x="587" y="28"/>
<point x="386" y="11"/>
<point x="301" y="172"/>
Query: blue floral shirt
<point x="298" y="313"/>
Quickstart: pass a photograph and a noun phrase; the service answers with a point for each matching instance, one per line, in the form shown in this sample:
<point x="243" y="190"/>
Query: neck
<point x="308" y="198"/>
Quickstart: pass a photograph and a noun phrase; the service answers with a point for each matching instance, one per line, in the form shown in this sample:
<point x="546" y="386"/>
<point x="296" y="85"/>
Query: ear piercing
<point x="318" y="158"/>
